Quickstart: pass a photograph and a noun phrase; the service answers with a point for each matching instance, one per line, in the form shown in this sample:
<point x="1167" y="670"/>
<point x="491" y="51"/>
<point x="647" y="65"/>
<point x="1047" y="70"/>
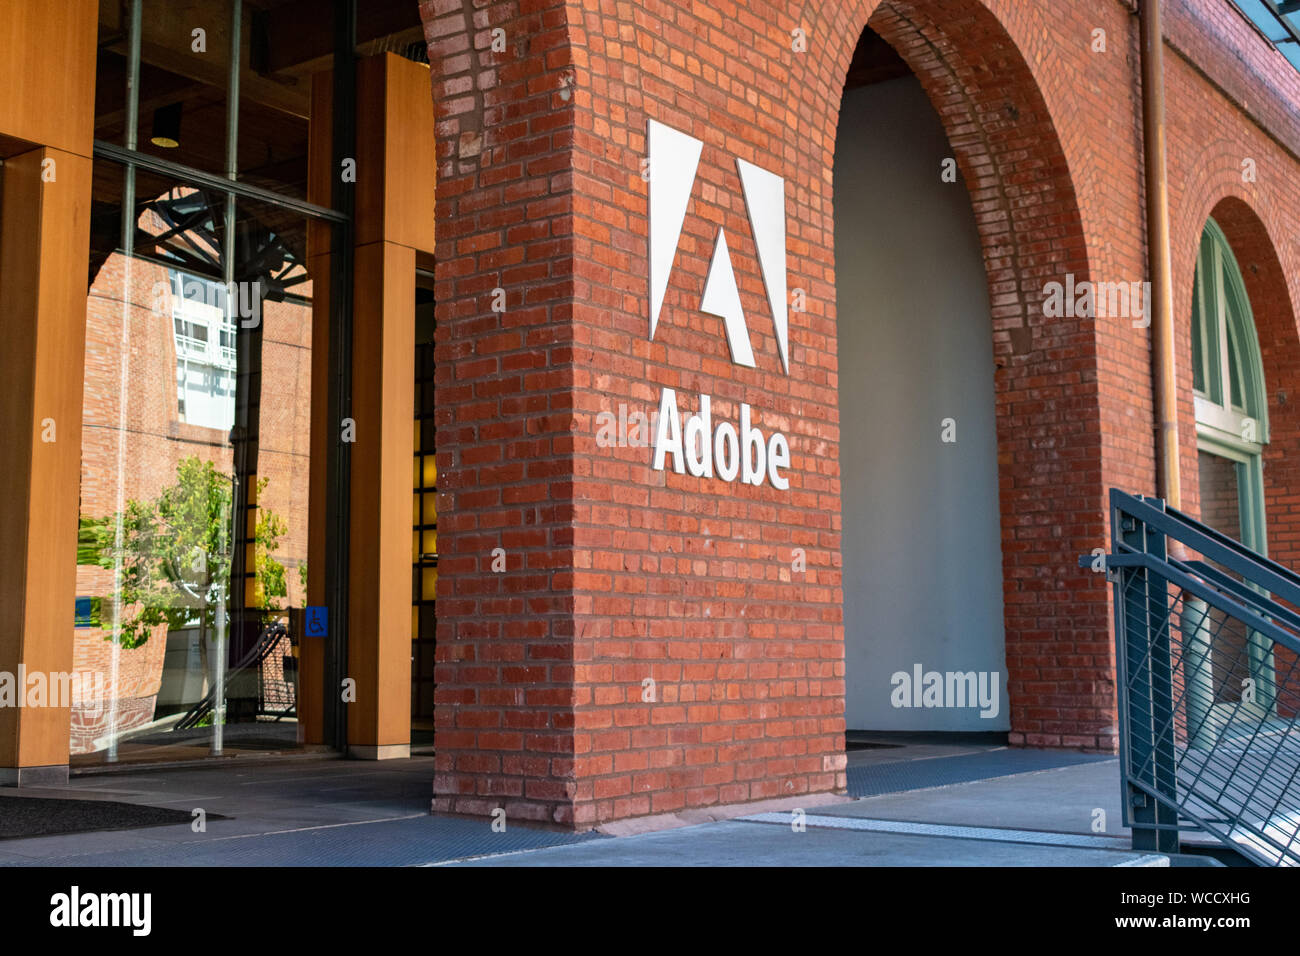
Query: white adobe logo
<point x="674" y="158"/>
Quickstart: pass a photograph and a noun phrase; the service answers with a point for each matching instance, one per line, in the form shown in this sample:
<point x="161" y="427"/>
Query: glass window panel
<point x="1198" y="335"/>
<point x="195" y="461"/>
<point x="182" y="85"/>
<point x="184" y="81"/>
<point x="1234" y="369"/>
<point x="1220" y="486"/>
<point x="1205" y="323"/>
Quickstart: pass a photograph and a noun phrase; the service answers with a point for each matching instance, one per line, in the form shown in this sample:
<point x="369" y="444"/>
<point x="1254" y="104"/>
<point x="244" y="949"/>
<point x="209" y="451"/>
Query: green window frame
<point x="1228" y="379"/>
<point x="1231" y="419"/>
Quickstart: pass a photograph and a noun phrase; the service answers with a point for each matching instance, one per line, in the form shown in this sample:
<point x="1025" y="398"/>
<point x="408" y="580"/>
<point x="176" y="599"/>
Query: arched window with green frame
<point x="1230" y="399"/>
<point x="1231" y="432"/>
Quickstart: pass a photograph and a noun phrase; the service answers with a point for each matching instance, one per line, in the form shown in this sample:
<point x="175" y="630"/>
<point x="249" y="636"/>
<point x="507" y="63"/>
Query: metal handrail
<point x="271" y="637"/>
<point x="1213" y="544"/>
<point x="1195" y="753"/>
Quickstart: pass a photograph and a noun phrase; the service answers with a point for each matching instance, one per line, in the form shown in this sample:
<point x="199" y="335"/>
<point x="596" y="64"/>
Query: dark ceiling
<point x="874" y="61"/>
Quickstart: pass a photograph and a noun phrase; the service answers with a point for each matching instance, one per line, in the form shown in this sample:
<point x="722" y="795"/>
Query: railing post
<point x="1144" y="640"/>
<point x="1198" y="673"/>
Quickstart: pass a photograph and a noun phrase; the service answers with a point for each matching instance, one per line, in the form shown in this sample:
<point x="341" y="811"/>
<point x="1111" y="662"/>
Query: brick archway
<point x="1275" y="324"/>
<point x="1009" y="151"/>
<point x="1225" y="200"/>
<point x="727" y="599"/>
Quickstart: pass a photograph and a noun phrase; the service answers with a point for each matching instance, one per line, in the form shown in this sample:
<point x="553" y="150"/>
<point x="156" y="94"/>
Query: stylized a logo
<point x="674" y="159"/>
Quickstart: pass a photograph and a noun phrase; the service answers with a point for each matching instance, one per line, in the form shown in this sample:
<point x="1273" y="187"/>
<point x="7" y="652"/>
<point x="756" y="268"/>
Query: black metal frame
<point x="424" y="640"/>
<point x="339" y="459"/>
<point x="1168" y="786"/>
<point x="1142" y="723"/>
<point x="1281" y="11"/>
<point x="214" y="181"/>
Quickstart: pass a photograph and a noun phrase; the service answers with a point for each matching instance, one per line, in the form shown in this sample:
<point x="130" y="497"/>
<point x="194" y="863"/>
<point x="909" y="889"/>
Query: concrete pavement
<point x="945" y="805"/>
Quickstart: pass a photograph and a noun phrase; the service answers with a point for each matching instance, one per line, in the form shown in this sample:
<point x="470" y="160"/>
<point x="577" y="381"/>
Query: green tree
<point x="175" y="553"/>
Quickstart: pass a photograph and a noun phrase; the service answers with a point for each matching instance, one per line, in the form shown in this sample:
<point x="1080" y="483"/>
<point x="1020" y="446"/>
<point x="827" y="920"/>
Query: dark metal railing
<point x="264" y="674"/>
<point x="1208" y="672"/>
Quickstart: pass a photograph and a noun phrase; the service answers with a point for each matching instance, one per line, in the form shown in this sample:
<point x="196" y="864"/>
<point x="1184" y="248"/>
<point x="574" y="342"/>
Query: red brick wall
<point x="1218" y="487"/>
<point x="504" y="385"/>
<point x="617" y="573"/>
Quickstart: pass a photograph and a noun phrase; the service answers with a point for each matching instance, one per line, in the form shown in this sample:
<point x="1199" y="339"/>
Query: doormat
<point x="46" y="816"/>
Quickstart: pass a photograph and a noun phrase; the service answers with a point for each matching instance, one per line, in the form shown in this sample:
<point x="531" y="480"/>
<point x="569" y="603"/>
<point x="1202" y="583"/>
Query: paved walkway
<point x="293" y="812"/>
<point x="929" y="804"/>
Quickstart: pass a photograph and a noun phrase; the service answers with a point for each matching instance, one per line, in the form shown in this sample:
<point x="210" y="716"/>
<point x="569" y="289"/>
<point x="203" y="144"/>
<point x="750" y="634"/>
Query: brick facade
<point x="617" y="573"/>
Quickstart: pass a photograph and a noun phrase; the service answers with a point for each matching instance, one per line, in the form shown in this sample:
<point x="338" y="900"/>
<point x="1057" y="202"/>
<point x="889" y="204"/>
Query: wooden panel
<point x="410" y="160"/>
<point x="383" y="406"/>
<point x="396" y="162"/>
<point x="320" y="161"/>
<point x="47" y="72"/>
<point x="19" y="295"/>
<point x="372" y="124"/>
<point x="44" y="242"/>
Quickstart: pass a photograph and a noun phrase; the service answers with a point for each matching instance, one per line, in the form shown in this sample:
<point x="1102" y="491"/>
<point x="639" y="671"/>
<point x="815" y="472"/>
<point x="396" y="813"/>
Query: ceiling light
<point x="166" y="126"/>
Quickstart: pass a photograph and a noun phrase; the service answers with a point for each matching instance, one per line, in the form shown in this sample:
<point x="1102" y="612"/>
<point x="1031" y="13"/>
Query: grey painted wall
<point x="921" y="540"/>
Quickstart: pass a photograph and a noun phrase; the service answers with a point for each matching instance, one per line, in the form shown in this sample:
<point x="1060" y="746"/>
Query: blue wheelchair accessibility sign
<point x="318" y="622"/>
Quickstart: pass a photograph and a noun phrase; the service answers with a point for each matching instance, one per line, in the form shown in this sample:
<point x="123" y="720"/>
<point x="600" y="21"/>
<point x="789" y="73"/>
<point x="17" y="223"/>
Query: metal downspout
<point x="1160" y="309"/>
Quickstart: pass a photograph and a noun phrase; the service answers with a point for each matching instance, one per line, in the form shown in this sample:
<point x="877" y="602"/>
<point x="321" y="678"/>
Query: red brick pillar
<point x="616" y="639"/>
<point x="505" y="365"/>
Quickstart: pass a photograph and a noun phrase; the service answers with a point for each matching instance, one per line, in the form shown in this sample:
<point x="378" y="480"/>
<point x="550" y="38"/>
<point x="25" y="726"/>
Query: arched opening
<point x="1263" y="285"/>
<point x="1245" y="357"/>
<point x="1274" y="314"/>
<point x="965" y="449"/>
<point x="918" y="461"/>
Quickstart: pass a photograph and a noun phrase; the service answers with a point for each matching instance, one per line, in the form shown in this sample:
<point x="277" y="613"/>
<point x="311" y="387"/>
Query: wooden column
<point x="47" y="94"/>
<point x="383" y="406"/>
<point x="44" y="245"/>
<point x="395" y="174"/>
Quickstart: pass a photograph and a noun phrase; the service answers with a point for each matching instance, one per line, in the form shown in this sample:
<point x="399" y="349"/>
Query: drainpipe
<point x="1160" y="309"/>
